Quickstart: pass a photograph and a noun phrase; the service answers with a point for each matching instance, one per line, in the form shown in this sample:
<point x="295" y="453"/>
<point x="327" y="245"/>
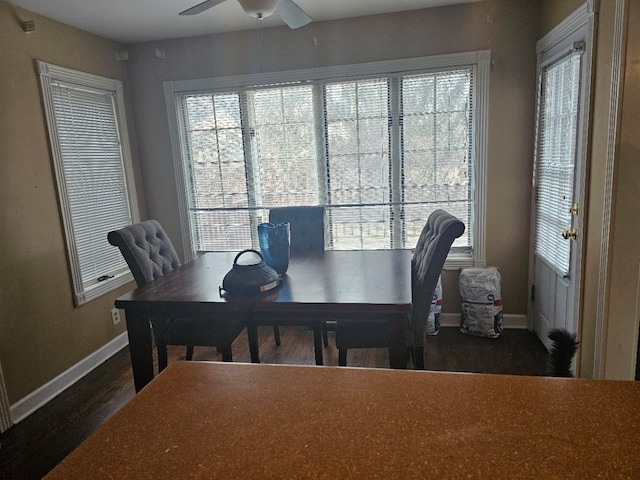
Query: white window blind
<point x="555" y="165"/>
<point x="358" y="175"/>
<point x="438" y="122"/>
<point x="88" y="155"/>
<point x="217" y="184"/>
<point x="379" y="151"/>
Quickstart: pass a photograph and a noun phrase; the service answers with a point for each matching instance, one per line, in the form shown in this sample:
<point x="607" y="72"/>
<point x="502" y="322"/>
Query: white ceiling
<point x="131" y="21"/>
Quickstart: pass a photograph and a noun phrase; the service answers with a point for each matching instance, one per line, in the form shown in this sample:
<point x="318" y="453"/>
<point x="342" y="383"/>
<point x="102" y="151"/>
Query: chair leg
<point x="252" y="336"/>
<point x="189" y="355"/>
<point x="276" y="334"/>
<point x="342" y="357"/>
<point x="418" y="358"/>
<point x="226" y="354"/>
<point x="162" y="357"/>
<point x="317" y="344"/>
<point x="325" y="334"/>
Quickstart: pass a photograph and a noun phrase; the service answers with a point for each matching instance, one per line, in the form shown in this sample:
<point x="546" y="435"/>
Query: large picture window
<point x="88" y="136"/>
<point x="380" y="147"/>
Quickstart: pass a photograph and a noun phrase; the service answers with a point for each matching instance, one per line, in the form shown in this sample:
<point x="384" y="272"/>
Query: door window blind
<point x="556" y="157"/>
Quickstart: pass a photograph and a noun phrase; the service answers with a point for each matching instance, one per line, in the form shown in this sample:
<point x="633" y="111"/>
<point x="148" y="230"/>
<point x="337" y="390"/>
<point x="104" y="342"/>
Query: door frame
<point x="5" y="408"/>
<point x="621" y="15"/>
<point x="582" y="17"/>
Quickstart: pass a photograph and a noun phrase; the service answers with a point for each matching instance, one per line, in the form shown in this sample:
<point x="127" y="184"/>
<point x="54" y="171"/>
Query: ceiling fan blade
<point x="292" y="14"/>
<point x="201" y="7"/>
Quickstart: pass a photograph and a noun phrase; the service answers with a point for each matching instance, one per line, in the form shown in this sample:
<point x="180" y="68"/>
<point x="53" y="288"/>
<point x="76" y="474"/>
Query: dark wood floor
<point x="34" y="446"/>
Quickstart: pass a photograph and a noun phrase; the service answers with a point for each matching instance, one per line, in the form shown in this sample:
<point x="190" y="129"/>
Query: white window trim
<point x="46" y="72"/>
<point x="480" y="59"/>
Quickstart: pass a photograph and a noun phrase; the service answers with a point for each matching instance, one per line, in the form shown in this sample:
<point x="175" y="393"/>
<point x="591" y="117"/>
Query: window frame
<point x="478" y="60"/>
<point x="49" y="73"/>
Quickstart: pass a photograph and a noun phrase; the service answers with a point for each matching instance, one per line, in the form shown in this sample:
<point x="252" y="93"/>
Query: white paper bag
<point x="481" y="292"/>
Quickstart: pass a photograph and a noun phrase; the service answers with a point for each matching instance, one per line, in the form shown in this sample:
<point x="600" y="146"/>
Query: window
<point x="88" y="136"/>
<point x="379" y="145"/>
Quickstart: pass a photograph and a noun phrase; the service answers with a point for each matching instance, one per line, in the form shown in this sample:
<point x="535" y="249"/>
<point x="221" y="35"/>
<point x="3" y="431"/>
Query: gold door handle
<point x="570" y="234"/>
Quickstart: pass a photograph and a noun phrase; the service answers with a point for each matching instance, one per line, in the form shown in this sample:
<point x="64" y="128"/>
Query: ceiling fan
<point x="287" y="10"/>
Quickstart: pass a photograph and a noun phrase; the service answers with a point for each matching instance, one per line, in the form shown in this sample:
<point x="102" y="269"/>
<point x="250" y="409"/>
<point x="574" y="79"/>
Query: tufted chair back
<point x="432" y="249"/>
<point x="149" y="253"/>
<point x="147" y="250"/>
<point x="307" y="226"/>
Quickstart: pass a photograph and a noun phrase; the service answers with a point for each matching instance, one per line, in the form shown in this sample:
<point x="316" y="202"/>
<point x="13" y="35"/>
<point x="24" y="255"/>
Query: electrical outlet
<point x="115" y="316"/>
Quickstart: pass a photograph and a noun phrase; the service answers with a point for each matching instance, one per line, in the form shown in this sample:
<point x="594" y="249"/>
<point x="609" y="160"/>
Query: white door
<point x="564" y="60"/>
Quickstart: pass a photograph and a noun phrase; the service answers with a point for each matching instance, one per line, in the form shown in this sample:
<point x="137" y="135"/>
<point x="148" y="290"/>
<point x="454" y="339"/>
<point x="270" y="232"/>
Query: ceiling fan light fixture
<point x="259" y="8"/>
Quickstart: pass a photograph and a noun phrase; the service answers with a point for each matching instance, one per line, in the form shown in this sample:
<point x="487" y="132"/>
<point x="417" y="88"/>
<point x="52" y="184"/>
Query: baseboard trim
<point x="508" y="321"/>
<point x="39" y="397"/>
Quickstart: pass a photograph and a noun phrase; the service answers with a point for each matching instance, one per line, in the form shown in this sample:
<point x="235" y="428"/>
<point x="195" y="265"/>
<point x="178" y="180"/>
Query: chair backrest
<point x="432" y="249"/>
<point x="306" y="226"/>
<point x="147" y="250"/>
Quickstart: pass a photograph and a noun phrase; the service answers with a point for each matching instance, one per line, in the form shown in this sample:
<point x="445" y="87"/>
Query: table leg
<point x="398" y="342"/>
<point x="140" y="348"/>
<point x="252" y="334"/>
<point x="317" y="342"/>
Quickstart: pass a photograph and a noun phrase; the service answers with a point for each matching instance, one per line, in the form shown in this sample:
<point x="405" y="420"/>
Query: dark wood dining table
<point x="361" y="285"/>
<point x="232" y="420"/>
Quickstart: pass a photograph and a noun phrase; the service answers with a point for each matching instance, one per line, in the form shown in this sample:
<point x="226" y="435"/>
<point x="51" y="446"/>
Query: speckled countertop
<point x="243" y="421"/>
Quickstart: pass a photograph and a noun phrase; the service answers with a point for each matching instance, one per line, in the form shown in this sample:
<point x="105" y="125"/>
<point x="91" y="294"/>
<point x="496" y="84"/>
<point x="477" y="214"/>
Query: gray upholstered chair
<point x="149" y="253"/>
<point x="306" y="224"/>
<point x="428" y="260"/>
